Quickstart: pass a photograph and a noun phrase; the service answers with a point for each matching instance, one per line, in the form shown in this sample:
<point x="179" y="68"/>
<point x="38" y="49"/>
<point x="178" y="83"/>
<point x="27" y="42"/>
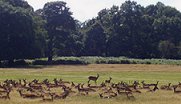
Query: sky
<point x="87" y="9"/>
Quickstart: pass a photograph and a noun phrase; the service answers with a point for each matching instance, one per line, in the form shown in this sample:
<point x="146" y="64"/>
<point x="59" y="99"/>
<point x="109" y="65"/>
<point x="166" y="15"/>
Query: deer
<point x="47" y="96"/>
<point x="153" y="84"/>
<point x="107" y="96"/>
<point x="73" y="84"/>
<point x="130" y="96"/>
<point x="108" y="81"/>
<point x="29" y="95"/>
<point x="154" y="89"/>
<point x="87" y="88"/>
<point x="96" y="86"/>
<point x="62" y="95"/>
<point x="35" y="86"/>
<point x="166" y="87"/>
<point x="65" y="93"/>
<point x="93" y="78"/>
<point x="108" y="90"/>
<point x="5" y="95"/>
<point x="145" y="86"/>
<point x="63" y="82"/>
<point x="84" y="90"/>
<point x="174" y="89"/>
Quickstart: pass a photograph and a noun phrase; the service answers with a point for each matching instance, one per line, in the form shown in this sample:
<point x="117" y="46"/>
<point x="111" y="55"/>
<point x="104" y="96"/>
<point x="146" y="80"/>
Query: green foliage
<point x="134" y="31"/>
<point x="17" y="38"/>
<point x="129" y="30"/>
<point x="60" y="26"/>
<point x="104" y="60"/>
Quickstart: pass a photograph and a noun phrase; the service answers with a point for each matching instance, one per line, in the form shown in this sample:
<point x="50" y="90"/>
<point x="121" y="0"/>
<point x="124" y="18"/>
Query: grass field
<point x="79" y="74"/>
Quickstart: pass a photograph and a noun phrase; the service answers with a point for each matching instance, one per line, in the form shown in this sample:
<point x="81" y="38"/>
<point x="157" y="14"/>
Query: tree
<point x="17" y="38"/>
<point x="167" y="49"/>
<point x="59" y="24"/>
<point x="95" y="44"/>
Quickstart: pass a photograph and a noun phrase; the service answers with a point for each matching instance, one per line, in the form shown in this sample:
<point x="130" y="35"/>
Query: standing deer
<point x="93" y="78"/>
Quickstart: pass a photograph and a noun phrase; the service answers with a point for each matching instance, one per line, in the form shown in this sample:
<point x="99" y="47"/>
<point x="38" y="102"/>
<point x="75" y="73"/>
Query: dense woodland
<point x="128" y="29"/>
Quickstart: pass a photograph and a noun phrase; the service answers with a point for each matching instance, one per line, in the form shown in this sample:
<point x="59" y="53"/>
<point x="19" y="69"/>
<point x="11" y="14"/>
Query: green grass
<point x="79" y="74"/>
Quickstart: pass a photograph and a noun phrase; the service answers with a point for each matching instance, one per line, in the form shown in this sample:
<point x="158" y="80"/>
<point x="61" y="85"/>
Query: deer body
<point x="108" y="81"/>
<point x="93" y="78"/>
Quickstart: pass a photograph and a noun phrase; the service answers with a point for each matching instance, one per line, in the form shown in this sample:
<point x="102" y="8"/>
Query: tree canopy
<point x="129" y="30"/>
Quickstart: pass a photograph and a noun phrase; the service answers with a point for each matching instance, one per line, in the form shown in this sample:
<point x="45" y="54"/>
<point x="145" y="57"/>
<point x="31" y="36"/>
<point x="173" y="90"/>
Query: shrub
<point x="40" y="62"/>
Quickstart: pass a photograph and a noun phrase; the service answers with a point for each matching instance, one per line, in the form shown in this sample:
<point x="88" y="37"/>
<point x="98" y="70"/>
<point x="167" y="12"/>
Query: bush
<point x="69" y="62"/>
<point x="59" y="62"/>
<point x="20" y="62"/>
<point x="40" y="62"/>
<point x="125" y="62"/>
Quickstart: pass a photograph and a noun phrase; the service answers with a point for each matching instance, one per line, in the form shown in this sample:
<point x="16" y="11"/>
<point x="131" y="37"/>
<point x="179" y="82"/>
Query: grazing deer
<point x="93" y="78"/>
<point x="108" y="81"/>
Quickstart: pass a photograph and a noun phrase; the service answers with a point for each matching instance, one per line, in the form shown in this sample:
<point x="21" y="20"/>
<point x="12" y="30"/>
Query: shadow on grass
<point x="26" y="66"/>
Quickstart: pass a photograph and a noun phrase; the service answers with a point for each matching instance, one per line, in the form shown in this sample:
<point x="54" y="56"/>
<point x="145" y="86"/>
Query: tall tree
<point x="59" y="24"/>
<point x="17" y="38"/>
<point x="95" y="44"/>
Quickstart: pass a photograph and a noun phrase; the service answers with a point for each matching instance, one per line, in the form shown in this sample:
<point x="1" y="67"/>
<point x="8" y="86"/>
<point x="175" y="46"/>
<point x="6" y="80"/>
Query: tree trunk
<point x="50" y="50"/>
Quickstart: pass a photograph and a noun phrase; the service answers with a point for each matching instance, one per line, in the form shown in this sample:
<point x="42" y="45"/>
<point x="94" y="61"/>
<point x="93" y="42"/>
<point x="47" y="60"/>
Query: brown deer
<point x="154" y="84"/>
<point x="130" y="96"/>
<point x="108" y="81"/>
<point x="93" y="78"/>
<point x="87" y="88"/>
<point x="84" y="90"/>
<point x="65" y="93"/>
<point x="166" y="87"/>
<point x="29" y="95"/>
<point x="62" y="95"/>
<point x="154" y="89"/>
<point x="47" y="96"/>
<point x="174" y="89"/>
<point x="96" y="86"/>
<point x="145" y="86"/>
<point x="5" y="95"/>
<point x="108" y="96"/>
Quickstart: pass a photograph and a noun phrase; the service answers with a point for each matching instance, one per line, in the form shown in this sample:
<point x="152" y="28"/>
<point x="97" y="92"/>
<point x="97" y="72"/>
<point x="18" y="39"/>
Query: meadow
<point x="79" y="74"/>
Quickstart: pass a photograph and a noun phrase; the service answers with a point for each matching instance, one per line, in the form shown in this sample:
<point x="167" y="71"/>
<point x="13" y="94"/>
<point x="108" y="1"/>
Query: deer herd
<point x="60" y="89"/>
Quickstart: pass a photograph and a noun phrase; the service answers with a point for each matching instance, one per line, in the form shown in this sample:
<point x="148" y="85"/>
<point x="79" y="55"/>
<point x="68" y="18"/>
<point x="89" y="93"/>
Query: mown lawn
<point x="79" y="74"/>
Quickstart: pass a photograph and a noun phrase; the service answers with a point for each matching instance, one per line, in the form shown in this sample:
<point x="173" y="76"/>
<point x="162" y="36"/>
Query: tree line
<point x="129" y="30"/>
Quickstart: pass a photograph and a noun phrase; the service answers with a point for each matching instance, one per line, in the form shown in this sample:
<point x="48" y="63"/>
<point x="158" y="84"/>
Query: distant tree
<point x="167" y="49"/>
<point x="17" y="34"/>
<point x="59" y="24"/>
<point x="95" y="44"/>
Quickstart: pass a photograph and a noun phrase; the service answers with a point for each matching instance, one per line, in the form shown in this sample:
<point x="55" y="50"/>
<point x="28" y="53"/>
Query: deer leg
<point x="88" y="81"/>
